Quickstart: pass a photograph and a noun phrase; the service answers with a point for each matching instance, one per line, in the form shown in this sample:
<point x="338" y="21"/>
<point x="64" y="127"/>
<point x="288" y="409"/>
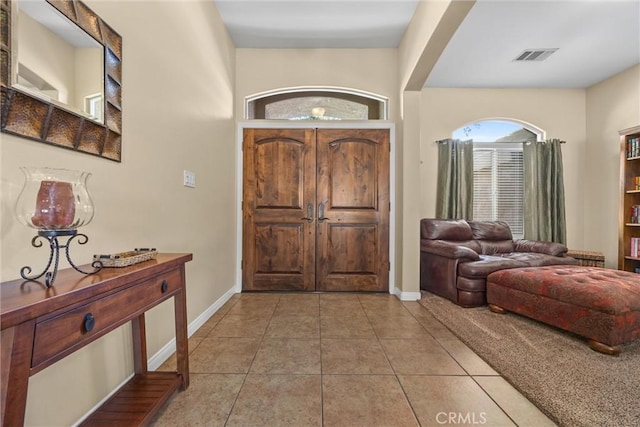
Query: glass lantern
<point x="54" y="199"/>
<point x="55" y="202"/>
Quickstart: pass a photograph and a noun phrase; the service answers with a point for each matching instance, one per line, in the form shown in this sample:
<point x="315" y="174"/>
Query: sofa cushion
<point x="445" y="229"/>
<point x="490" y="230"/>
<point x="468" y="250"/>
<point x="535" y="259"/>
<point x="491" y="247"/>
<point x="550" y="248"/>
<point x="486" y="265"/>
<point x="474" y="245"/>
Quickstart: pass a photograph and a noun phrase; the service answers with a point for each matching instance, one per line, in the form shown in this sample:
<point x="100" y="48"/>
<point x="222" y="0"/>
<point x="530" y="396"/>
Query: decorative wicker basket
<point x="587" y="258"/>
<point x="124" y="259"/>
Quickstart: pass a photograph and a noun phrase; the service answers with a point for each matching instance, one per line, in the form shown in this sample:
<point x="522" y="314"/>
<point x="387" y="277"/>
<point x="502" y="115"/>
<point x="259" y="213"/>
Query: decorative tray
<point x="124" y="259"/>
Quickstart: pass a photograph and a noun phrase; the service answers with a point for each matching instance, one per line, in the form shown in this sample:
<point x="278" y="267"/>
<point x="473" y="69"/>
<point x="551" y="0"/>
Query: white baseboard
<point x="407" y="296"/>
<point x="168" y="349"/>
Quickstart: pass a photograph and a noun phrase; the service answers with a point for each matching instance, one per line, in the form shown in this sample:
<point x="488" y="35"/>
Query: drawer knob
<point x="89" y="322"/>
<point x="164" y="286"/>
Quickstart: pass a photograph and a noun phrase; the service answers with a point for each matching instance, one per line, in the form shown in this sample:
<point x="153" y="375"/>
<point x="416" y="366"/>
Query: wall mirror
<point x="61" y="76"/>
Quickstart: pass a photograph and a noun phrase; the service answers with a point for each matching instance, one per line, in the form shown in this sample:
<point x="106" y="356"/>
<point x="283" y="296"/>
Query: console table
<point x="43" y="325"/>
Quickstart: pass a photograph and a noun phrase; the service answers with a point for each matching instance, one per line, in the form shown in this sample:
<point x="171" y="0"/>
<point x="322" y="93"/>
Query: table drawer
<point x="58" y="336"/>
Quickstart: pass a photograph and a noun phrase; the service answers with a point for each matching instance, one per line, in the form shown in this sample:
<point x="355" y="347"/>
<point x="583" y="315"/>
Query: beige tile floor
<point x="337" y="360"/>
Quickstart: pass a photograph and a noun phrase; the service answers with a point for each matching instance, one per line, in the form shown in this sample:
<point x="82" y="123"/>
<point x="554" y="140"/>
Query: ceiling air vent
<point x="535" y="54"/>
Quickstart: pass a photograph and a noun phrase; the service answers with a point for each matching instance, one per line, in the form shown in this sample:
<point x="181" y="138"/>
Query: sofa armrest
<point x="448" y="250"/>
<point x="549" y="248"/>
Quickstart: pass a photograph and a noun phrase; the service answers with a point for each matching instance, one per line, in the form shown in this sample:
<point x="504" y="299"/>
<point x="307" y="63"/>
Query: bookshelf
<point x="629" y="229"/>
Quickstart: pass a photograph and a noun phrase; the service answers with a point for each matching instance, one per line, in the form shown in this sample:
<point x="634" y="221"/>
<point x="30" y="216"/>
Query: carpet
<point x="557" y="371"/>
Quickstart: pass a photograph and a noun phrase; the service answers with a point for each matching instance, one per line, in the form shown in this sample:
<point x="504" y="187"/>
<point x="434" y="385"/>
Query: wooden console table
<point x="41" y="326"/>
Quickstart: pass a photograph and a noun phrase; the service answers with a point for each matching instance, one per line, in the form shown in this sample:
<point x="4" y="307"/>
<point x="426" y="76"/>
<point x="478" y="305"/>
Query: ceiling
<point x="316" y="23"/>
<point x="595" y="38"/>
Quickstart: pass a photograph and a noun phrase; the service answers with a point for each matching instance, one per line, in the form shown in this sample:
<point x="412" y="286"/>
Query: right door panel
<point x="352" y="241"/>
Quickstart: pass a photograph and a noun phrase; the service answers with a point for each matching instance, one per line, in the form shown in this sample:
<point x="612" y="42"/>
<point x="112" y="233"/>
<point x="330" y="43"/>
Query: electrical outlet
<point x="189" y="179"/>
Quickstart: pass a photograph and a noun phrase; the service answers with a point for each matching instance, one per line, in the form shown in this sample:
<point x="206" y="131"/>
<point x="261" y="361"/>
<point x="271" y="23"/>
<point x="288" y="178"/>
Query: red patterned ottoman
<point x="599" y="304"/>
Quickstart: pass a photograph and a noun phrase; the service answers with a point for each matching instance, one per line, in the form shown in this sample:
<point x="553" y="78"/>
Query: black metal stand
<point x="54" y="257"/>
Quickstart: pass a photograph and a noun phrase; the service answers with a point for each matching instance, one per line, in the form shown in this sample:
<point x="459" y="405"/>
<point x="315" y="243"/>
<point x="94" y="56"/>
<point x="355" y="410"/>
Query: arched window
<point x="316" y="104"/>
<point x="498" y="130"/>
<point x="498" y="169"/>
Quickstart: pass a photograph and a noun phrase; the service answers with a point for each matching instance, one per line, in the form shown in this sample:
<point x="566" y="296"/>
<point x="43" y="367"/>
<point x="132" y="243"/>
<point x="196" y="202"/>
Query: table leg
<point x="182" y="340"/>
<point x="16" y="345"/>
<point x="139" y="333"/>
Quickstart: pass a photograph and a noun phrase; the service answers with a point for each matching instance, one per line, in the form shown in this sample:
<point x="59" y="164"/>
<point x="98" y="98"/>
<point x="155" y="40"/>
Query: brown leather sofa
<point x="456" y="256"/>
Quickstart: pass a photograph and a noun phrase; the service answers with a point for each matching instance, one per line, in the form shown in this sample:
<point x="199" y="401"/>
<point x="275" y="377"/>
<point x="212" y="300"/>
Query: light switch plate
<point x="189" y="179"/>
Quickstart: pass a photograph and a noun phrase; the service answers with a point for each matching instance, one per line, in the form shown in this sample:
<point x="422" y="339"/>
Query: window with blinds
<point x="498" y="184"/>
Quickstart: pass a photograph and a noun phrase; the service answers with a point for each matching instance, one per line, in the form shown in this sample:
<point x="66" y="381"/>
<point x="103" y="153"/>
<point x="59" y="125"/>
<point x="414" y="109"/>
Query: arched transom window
<point x="318" y="104"/>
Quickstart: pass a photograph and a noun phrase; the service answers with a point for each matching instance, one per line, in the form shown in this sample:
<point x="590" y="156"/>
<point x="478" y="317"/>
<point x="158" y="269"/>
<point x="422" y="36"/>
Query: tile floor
<point x="337" y="360"/>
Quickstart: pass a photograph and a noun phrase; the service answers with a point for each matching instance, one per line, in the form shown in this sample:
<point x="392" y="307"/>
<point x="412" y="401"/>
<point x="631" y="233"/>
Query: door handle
<point x="321" y="212"/>
<point x="309" y="216"/>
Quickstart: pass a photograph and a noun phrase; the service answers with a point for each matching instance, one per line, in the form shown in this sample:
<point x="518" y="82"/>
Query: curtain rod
<point x="440" y="141"/>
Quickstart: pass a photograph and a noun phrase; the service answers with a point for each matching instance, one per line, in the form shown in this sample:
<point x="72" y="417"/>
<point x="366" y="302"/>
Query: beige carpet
<point x="557" y="371"/>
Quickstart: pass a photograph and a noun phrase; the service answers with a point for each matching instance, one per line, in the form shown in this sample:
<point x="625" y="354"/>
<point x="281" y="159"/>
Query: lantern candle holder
<point x="55" y="202"/>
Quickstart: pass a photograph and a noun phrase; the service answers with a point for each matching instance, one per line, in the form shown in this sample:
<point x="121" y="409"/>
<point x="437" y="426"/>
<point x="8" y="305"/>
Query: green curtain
<point x="544" y="217"/>
<point x="454" y="196"/>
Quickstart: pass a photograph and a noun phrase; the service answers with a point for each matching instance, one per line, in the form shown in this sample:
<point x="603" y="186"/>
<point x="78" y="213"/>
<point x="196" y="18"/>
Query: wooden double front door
<point x="316" y="209"/>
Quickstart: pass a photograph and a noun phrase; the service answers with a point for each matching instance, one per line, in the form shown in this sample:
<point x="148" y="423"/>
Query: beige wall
<point x="560" y="113"/>
<point x="369" y="70"/>
<point x="431" y="27"/>
<point x="415" y="39"/>
<point x="612" y="105"/>
<point x="408" y="189"/>
<point x="178" y="83"/>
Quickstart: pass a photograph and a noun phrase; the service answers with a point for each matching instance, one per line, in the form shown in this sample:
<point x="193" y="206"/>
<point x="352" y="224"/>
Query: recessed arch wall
<point x="559" y="112"/>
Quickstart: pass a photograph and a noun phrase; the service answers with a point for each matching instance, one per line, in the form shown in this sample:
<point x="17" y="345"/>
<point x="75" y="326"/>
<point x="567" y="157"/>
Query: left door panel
<point x="278" y="208"/>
